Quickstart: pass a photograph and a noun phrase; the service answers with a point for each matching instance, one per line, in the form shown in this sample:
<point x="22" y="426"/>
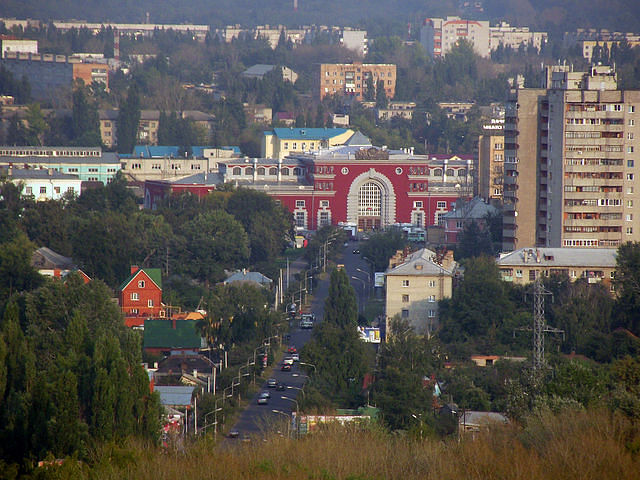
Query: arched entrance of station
<point x="369" y="206"/>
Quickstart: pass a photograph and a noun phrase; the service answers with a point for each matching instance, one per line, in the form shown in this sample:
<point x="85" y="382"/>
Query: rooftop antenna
<point x="295" y="5"/>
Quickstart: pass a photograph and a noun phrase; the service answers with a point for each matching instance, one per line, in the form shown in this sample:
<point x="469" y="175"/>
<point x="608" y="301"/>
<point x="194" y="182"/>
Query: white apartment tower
<point x="571" y="160"/>
<point x="439" y="35"/>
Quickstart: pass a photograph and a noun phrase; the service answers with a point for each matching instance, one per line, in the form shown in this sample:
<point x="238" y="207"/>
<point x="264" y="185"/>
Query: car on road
<point x="288" y="360"/>
<point x="263" y="399"/>
<point x="233" y="433"/>
<point x="265" y="394"/>
<point x="295" y="357"/>
<point x="292" y="349"/>
<point x="356" y="252"/>
<point x="285" y="367"/>
<point x="272" y="382"/>
<point x="280" y="387"/>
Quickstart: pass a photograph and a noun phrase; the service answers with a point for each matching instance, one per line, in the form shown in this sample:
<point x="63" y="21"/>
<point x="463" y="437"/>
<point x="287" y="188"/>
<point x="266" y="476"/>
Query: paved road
<point x="258" y="419"/>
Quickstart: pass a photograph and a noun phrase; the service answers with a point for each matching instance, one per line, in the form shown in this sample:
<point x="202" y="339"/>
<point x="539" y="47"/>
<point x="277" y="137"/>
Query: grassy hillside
<point x="572" y="445"/>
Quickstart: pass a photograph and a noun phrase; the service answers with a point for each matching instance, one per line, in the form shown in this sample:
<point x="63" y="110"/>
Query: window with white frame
<point x="441" y="204"/>
<point x="432" y="313"/>
<point x="149" y="303"/>
<point x="135" y="296"/>
<point x="324" y="203"/>
<point x="141" y="284"/>
<point x="405" y="283"/>
<point x="417" y="204"/>
<point x="431" y="298"/>
<point x="432" y="284"/>
<point x="301" y="219"/>
<point x="300" y="203"/>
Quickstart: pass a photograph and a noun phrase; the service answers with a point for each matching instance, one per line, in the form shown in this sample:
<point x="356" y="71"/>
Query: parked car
<point x="285" y="367"/>
<point x="272" y="382"/>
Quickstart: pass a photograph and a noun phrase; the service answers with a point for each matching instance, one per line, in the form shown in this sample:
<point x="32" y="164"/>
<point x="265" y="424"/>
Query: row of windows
<point x="597" y="148"/>
<point x="595" y="188"/>
<point x="43" y="190"/>
<point x="593" y="216"/>
<point x="598" y="121"/>
<point x="50" y="153"/>
<point x="599" y="107"/>
<point x="237" y="171"/>
<point x="430" y="284"/>
<point x="430" y="298"/>
<point x="595" y="175"/>
<point x="596" y="161"/>
<point x="302" y="203"/>
<point x="430" y="313"/>
<point x="592" y="229"/>
<point x="136" y="297"/>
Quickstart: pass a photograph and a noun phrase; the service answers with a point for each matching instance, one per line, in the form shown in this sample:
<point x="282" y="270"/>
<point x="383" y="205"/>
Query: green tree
<point x="627" y="283"/>
<point x="214" y="241"/>
<point x="128" y="120"/>
<point x="37" y="125"/>
<point x="381" y="95"/>
<point x="16" y="133"/>
<point x="403" y="390"/>
<point x="370" y="89"/>
<point x="474" y="241"/>
<point x="85" y="121"/>
<point x="341" y="307"/>
<point x="16" y="272"/>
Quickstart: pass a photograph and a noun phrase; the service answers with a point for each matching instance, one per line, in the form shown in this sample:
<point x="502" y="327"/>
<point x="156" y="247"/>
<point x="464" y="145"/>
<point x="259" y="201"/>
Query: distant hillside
<point x="378" y="15"/>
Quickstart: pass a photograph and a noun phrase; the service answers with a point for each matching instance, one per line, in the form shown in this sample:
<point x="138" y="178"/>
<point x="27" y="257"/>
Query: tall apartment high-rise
<point x="570" y="153"/>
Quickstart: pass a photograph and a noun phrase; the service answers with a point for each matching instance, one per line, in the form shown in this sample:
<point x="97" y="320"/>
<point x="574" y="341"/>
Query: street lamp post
<point x="364" y="293"/>
<point x="309" y="365"/>
<point x="297" y="411"/>
<point x="288" y="421"/>
<point x="291" y="387"/>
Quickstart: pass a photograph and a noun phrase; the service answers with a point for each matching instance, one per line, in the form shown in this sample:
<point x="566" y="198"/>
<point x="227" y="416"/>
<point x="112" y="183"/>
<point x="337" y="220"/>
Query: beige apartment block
<point x="414" y="288"/>
<point x="570" y="162"/>
<point x="491" y="167"/>
<point x="351" y="79"/>
<point x="593" y="265"/>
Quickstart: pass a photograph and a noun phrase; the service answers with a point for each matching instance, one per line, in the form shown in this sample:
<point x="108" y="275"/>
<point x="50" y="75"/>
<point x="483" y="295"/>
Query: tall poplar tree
<point x="128" y="120"/>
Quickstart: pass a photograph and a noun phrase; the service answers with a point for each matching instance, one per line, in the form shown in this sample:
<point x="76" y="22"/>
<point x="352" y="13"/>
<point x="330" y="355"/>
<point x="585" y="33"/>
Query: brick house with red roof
<point x="141" y="296"/>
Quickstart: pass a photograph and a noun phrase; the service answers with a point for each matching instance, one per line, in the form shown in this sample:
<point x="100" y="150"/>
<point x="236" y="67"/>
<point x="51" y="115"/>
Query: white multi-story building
<point x="355" y="40"/>
<point x="439" y="35"/>
<point x="44" y="184"/>
<point x="513" y="37"/>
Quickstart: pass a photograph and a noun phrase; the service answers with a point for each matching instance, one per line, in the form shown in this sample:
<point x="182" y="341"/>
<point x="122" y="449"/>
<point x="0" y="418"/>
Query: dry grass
<point x="576" y="446"/>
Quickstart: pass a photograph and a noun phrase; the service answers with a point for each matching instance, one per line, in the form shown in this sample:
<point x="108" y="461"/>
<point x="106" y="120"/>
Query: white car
<point x="295" y="357"/>
<point x="288" y="360"/>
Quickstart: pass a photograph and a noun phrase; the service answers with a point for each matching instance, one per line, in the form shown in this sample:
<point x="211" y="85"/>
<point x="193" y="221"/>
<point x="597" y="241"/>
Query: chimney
<point x="134" y="269"/>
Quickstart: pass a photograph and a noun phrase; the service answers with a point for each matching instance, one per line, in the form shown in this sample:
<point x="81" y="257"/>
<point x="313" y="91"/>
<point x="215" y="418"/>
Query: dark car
<point x="234" y="434"/>
<point x="356" y="252"/>
<point x="280" y="387"/>
<point x="286" y="367"/>
<point x="292" y="349"/>
<point x="272" y="382"/>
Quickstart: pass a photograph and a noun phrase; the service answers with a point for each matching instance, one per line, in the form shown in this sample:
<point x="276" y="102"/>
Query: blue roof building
<point x="280" y="142"/>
